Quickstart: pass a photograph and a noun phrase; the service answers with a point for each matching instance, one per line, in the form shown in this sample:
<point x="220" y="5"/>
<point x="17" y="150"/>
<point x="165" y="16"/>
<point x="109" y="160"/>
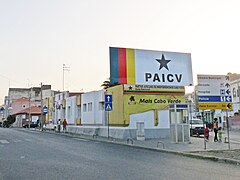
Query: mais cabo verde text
<point x="169" y="101"/>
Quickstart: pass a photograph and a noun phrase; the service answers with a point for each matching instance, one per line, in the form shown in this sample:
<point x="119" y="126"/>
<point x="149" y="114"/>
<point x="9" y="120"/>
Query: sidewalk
<point x="195" y="144"/>
<point x="217" y="151"/>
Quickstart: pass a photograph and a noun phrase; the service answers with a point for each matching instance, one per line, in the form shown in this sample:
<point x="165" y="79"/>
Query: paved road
<point x="37" y="155"/>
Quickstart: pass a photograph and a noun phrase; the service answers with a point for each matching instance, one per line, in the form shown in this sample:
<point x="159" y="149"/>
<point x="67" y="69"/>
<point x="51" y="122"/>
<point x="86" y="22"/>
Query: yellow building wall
<point x="116" y="115"/>
<point x="137" y="103"/>
<point x="127" y="103"/>
<point x="49" y="103"/>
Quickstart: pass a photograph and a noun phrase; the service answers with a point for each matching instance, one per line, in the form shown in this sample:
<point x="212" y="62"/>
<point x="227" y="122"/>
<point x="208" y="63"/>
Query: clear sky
<point x="38" y="36"/>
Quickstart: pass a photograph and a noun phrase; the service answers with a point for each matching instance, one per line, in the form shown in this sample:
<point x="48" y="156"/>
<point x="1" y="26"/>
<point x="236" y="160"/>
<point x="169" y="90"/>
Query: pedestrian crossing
<point x="3" y="141"/>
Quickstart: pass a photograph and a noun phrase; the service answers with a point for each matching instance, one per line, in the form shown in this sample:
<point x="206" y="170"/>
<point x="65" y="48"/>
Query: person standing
<point x="215" y="128"/>
<point x="207" y="133"/>
<point x="64" y="125"/>
<point x="220" y="134"/>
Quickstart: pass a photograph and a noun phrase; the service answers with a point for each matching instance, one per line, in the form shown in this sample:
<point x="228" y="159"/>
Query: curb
<point x="187" y="154"/>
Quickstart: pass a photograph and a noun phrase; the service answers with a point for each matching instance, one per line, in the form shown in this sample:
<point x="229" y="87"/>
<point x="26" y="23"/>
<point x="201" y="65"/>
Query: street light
<point x="65" y="68"/>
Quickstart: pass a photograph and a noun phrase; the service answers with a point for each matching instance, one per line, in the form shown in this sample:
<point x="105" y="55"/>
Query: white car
<point x="196" y="127"/>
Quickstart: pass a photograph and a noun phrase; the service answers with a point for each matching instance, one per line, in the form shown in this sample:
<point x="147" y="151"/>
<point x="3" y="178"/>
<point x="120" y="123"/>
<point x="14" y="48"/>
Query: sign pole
<point x="108" y="124"/>
<point x="203" y="118"/>
<point x="228" y="129"/>
<point x="108" y="107"/>
<point x="176" y="127"/>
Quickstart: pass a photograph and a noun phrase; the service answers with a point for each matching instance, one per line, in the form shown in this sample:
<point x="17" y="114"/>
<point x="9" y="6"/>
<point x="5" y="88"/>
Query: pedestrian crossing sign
<point x="108" y="102"/>
<point x="108" y="106"/>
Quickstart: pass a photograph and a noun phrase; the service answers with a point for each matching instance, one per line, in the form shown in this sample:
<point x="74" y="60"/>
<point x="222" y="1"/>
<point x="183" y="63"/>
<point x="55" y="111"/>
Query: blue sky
<point x="38" y="36"/>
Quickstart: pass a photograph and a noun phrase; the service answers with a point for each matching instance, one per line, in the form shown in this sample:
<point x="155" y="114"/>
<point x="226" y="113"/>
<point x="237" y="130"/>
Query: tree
<point x="106" y="84"/>
<point x="10" y="120"/>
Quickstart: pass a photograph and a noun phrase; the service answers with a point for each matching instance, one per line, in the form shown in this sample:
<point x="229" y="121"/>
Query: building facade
<point x="92" y="108"/>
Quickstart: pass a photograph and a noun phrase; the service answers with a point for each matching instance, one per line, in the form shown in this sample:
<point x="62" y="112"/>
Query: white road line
<point x="17" y="140"/>
<point x="3" y="141"/>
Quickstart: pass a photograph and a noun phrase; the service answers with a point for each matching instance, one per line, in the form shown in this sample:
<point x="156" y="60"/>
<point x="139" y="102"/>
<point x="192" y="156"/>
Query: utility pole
<point x="48" y="110"/>
<point x="65" y="68"/>
<point x="29" y="114"/>
<point x="41" y="109"/>
<point x="238" y="94"/>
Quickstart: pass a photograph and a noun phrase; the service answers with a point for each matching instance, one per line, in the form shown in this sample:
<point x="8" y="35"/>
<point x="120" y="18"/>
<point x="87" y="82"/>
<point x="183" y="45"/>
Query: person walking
<point x="215" y="128"/>
<point x="64" y="125"/>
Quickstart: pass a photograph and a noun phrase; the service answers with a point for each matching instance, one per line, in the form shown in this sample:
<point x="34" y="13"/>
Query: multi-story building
<point x="235" y="89"/>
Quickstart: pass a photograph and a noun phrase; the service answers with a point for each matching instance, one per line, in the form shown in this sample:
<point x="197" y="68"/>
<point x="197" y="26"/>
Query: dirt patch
<point x="230" y="154"/>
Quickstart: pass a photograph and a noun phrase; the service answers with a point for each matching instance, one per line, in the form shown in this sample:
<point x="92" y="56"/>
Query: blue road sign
<point x="1" y="109"/>
<point x="108" y="102"/>
<point x="108" y="106"/>
<point x="179" y="106"/>
<point x="214" y="98"/>
<point x="108" y="98"/>
<point x="45" y="110"/>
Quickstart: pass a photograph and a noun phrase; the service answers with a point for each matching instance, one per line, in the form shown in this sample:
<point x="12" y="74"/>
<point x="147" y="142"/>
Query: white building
<point x="73" y="110"/>
<point x="92" y="108"/>
<point x="59" y="106"/>
<point x="235" y="91"/>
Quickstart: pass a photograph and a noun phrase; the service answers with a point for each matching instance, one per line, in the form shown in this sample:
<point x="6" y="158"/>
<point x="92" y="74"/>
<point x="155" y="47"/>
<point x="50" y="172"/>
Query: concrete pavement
<point x="195" y="144"/>
<point x="191" y="148"/>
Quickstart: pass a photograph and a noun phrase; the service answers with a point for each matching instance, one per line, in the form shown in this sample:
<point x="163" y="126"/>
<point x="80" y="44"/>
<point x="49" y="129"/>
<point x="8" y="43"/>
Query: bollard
<point x="160" y="142"/>
<point x="129" y="139"/>
<point x="94" y="136"/>
<point x="225" y="139"/>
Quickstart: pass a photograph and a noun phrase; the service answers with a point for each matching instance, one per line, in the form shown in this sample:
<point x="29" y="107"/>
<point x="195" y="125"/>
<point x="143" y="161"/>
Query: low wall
<point x="118" y="132"/>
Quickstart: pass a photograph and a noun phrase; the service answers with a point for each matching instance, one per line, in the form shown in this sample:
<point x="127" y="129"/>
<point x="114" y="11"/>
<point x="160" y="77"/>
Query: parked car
<point x="32" y="125"/>
<point x="196" y="127"/>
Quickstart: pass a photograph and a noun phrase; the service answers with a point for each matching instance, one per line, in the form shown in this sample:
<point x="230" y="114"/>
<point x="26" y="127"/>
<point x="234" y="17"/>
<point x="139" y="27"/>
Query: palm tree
<point x="106" y="84"/>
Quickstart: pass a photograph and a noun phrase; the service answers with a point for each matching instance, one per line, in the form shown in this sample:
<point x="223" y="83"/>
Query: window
<point x="89" y="106"/>
<point x="101" y="106"/>
<point x="84" y="107"/>
<point x="24" y="106"/>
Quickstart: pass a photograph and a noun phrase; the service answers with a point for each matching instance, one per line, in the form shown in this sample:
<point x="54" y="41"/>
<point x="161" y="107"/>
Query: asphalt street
<point x="26" y="154"/>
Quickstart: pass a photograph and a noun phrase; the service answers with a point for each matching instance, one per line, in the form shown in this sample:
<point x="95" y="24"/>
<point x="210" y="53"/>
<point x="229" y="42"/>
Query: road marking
<point x="17" y="140"/>
<point x="85" y="140"/>
<point x="3" y="141"/>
